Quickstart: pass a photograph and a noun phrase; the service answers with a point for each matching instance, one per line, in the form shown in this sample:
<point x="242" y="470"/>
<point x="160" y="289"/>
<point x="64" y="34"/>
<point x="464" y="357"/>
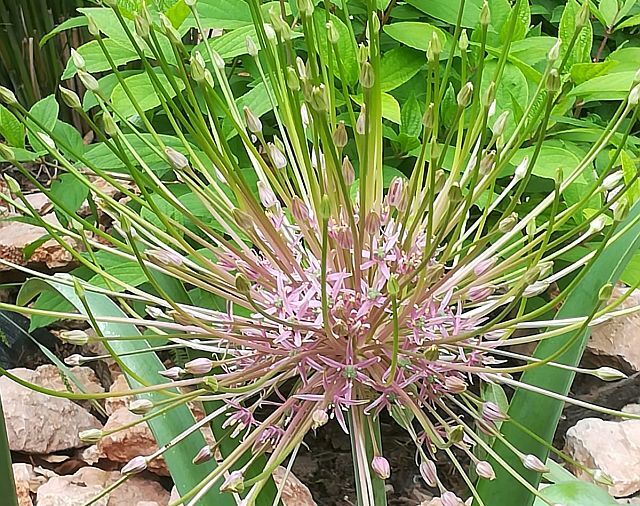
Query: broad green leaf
<point x="557" y="473"/>
<point x="549" y="160"/>
<point x="96" y="60"/>
<point x="582" y="72"/>
<point x="609" y="11"/>
<point x="177" y="13"/>
<point x="146" y="365"/>
<point x="533" y="50"/>
<point x="523" y="20"/>
<point x="69" y="191"/>
<point x="107" y="84"/>
<point x="10" y="128"/>
<point x="67" y="24"/>
<point x="576" y="493"/>
<point x="49" y="301"/>
<point x="608" y="87"/>
<point x="126" y="271"/>
<point x="144" y="91"/>
<point x="23" y="155"/>
<point x="631" y="275"/>
<point x="629" y="22"/>
<point x="225" y="14"/>
<point x="69" y="140"/>
<point x="107" y="21"/>
<point x="257" y="100"/>
<point x="581" y="51"/>
<point x="447" y="10"/>
<point x="390" y="107"/>
<point x="527" y="406"/>
<point x="45" y="115"/>
<point x="625" y="59"/>
<point x="411" y="117"/>
<point x="414" y="34"/>
<point x="398" y="66"/>
<point x="513" y="87"/>
<point x="389" y="174"/>
<point x="630" y="169"/>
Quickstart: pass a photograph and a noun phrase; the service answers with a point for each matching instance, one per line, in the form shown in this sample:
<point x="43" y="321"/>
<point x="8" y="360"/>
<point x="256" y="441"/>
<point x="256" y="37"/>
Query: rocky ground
<point x="54" y="468"/>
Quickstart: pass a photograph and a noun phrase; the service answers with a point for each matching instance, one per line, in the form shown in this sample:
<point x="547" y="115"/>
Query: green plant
<point x="6" y="470"/>
<point x="322" y="251"/>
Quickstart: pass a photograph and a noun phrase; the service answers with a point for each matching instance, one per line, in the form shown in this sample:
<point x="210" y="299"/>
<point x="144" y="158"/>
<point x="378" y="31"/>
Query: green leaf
<point x="398" y="66"/>
<point x="144" y="92"/>
<point x="581" y="51"/>
<point x="95" y="59"/>
<point x="630" y="169"/>
<point x="257" y="100"/>
<point x="582" y="72"/>
<point x="526" y="406"/>
<point x="49" y="301"/>
<point x="557" y="473"/>
<point x="576" y="493"/>
<point x="224" y="14"/>
<point x="45" y="112"/>
<point x="513" y="87"/>
<point x="414" y="34"/>
<point x="523" y="20"/>
<point x="67" y="24"/>
<point x="533" y="50"/>
<point x="608" y="87"/>
<point x="549" y="160"/>
<point x="126" y="271"/>
<point x="69" y="140"/>
<point x="346" y="47"/>
<point x="609" y="11"/>
<point x="107" y="84"/>
<point x="146" y="365"/>
<point x="10" y="128"/>
<point x="107" y="22"/>
<point x="69" y="191"/>
<point x="447" y="10"/>
<point x="390" y="107"/>
<point x="177" y="13"/>
<point x="631" y="275"/>
<point x="411" y="117"/>
<point x="629" y="22"/>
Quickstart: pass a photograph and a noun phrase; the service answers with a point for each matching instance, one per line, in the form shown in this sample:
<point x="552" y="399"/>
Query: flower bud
<point x="434" y="49"/>
<point x="612" y="180"/>
<point x="176" y="159"/>
<point x="7" y="96"/>
<point x="521" y="169"/>
<point x="372" y="223"/>
<point x="553" y="81"/>
<point x="78" y="60"/>
<point x="252" y="48"/>
<point x="465" y="95"/>
<point x="141" y="25"/>
<point x="277" y="156"/>
<point x="428" y="118"/>
<point x="173" y="373"/>
<point x="165" y="258"/>
<point x="332" y="32"/>
<point x="484" y="266"/>
<point x="305" y="7"/>
<point x="140" y="406"/>
<point x="324" y="209"/>
<point x="455" y="385"/>
<point x="233" y="483"/>
<point x="463" y="43"/>
<point x="583" y="16"/>
<point x="204" y="455"/>
<point x="243" y="285"/>
<point x="198" y="66"/>
<point x="367" y="75"/>
<point x="348" y="172"/>
<point x="75" y="337"/>
<point x="533" y="463"/>
<point x="201" y="365"/>
<point x="381" y="467"/>
<point x="554" y="52"/>
<point x="293" y="83"/>
<point x="70" y="98"/>
<point x="485" y="470"/>
<point x="597" y="224"/>
<point x="432" y="353"/>
<point x="485" y="14"/>
<point x="609" y="374"/>
<point x="361" y="122"/>
<point x="480" y="293"/>
<point x="267" y="197"/>
<point x="168" y="29"/>
<point x="135" y="465"/>
<point x="319" y="100"/>
<point x="396" y="192"/>
<point x="429" y="472"/>
<point x="299" y="210"/>
<point x="507" y="224"/>
<point x="74" y="360"/>
<point x="89" y="82"/>
<point x="252" y="121"/>
<point x="500" y="124"/>
<point x="491" y="412"/>
<point x="602" y="478"/>
<point x="340" y="137"/>
<point x="450" y="499"/>
<point x="319" y="417"/>
<point x="90" y="436"/>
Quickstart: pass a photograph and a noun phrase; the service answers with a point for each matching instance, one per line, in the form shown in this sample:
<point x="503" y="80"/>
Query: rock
<point x="49" y="377"/>
<point x="113" y="404"/>
<point x="147" y="503"/>
<point x="125" y="444"/>
<point x="84" y="485"/>
<point x="294" y="493"/>
<point x="38" y="423"/>
<point x="26" y="482"/>
<point x="612" y="447"/>
<point x="616" y="343"/>
<point x="174" y="495"/>
<point x="632" y="409"/>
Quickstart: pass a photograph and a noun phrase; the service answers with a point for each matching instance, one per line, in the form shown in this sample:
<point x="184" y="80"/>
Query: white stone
<point x="294" y="492"/>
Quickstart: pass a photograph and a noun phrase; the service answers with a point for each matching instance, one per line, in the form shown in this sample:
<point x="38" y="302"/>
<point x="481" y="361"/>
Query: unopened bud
<point x="507" y="224"/>
<point x="78" y="60"/>
<point x="521" y="169"/>
<point x="140" y="406"/>
<point x="319" y="100"/>
<point x="500" y="123"/>
<point x="485" y="470"/>
<point x="348" y="172"/>
<point x="583" y="16"/>
<point x="70" y="98"/>
<point x="612" y="180"/>
<point x="464" y="95"/>
<point x="553" y="81"/>
<point x="463" y="43"/>
<point x="554" y="52"/>
<point x="204" y="455"/>
<point x="361" y="122"/>
<point x="429" y="472"/>
<point x="396" y="192"/>
<point x="372" y="223"/>
<point x="533" y="463"/>
<point x="367" y="75"/>
<point x="75" y="337"/>
<point x="332" y="32"/>
<point x="90" y="436"/>
<point x="299" y="210"/>
<point x="141" y="25"/>
<point x="381" y="467"/>
<point x="167" y="258"/>
<point x="634" y="95"/>
<point x="491" y="412"/>
<point x="293" y="83"/>
<point x="198" y="67"/>
<point x="176" y="159"/>
<point x="7" y="96"/>
<point x="243" y="285"/>
<point x="89" y="82"/>
<point x="450" y="499"/>
<point x="485" y="14"/>
<point x="434" y="49"/>
<point x="325" y="207"/>
<point x="340" y="137"/>
<point x="609" y="374"/>
<point x="455" y="385"/>
<point x="305" y="7"/>
<point x="173" y="373"/>
<point x="252" y="48"/>
<point x="74" y="360"/>
<point x="267" y="197"/>
<point x="277" y="156"/>
<point x="319" y="417"/>
<point x="135" y="465"/>
<point x="428" y="118"/>
<point x="233" y="483"/>
<point x="252" y="121"/>
<point x="201" y="365"/>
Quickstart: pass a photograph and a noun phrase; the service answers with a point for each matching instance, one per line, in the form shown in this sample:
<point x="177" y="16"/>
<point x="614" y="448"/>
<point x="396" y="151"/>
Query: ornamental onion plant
<point x="328" y="291"/>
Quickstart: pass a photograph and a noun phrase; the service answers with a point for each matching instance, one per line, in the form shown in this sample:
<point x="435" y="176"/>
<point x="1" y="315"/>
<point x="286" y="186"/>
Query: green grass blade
<point x="185" y="475"/>
<point x="541" y="414"/>
<point x="6" y="471"/>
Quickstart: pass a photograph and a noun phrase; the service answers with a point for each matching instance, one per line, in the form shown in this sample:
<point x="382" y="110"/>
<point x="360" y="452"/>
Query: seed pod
<point x="340" y="137"/>
<point x="70" y="98"/>
<point x="136" y="465"/>
<point x="465" y="95"/>
<point x="485" y="470"/>
<point x="201" y="365"/>
<point x="367" y="75"/>
<point x="75" y="337"/>
<point x="533" y="463"/>
<point x="140" y="406"/>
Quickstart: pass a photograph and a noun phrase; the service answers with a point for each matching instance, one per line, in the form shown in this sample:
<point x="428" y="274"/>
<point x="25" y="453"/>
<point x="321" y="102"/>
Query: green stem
<point x="7" y="484"/>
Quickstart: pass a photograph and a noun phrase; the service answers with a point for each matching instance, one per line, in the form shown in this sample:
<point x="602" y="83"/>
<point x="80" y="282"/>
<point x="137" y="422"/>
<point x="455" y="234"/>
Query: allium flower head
<point x="309" y="285"/>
